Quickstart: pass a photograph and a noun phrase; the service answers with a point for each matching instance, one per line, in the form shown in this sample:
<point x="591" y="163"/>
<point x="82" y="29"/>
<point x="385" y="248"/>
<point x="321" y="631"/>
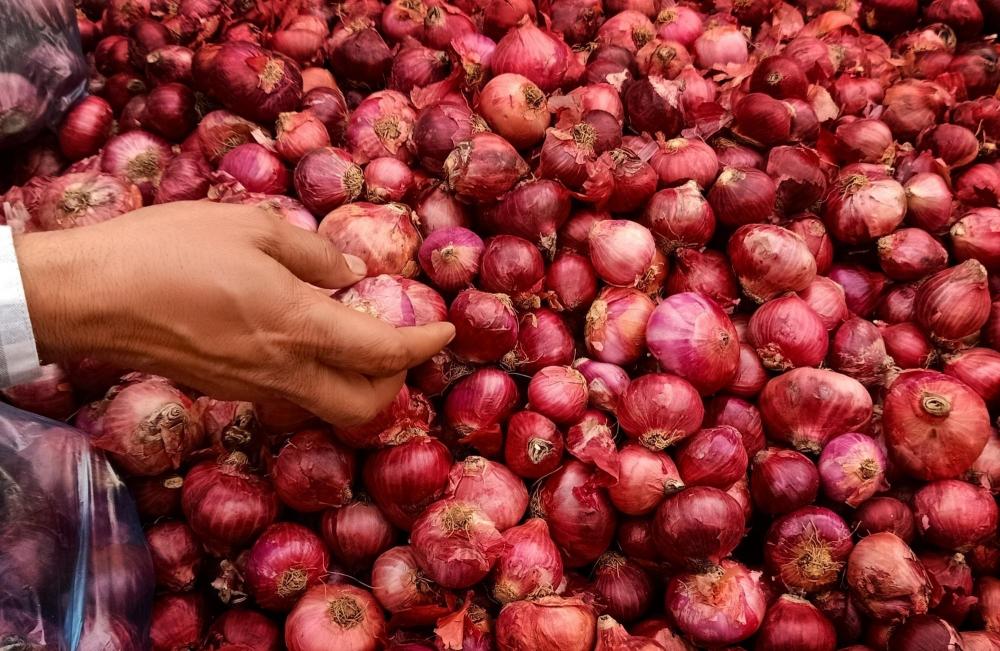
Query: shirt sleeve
<point x="18" y="354"/>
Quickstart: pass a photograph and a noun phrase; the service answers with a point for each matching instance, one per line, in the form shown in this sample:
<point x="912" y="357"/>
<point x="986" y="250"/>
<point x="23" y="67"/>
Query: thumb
<point x="314" y="259"/>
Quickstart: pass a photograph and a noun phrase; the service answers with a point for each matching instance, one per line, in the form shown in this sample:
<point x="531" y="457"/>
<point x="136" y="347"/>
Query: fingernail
<point x="451" y="338"/>
<point x="355" y="264"/>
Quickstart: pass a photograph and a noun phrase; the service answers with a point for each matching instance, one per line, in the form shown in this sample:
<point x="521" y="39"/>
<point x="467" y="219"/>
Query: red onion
<point x="325" y="178"/>
<point x="852" y="469"/>
<point x="248" y="628"/>
<point x="483" y="167"/>
<point x="542" y="340"/>
<point x="762" y="120"/>
<point x="691" y="336"/>
<point x="382" y="297"/>
<point x="907" y="345"/>
<point x="808" y="548"/>
<point x="605" y="382"/>
<point x="662" y="58"/>
<point x="579" y="514"/>
<point x="769" y="260"/>
<point x="298" y="134"/>
<point x="934" y="425"/>
<point x="911" y="254"/>
<point x="335" y="612"/>
<point x="533" y="210"/>
<point x="170" y="111"/>
<point x="407" y="477"/>
<point x="382" y="235"/>
<point x="402" y="587"/>
<point x="714" y="456"/>
<point x="783" y="480"/>
<point x="156" y="497"/>
<point x="704" y="272"/>
<point x="616" y="325"/>
<point x="176" y="555"/>
<point x="529" y="565"/>
<point x="976" y="236"/>
<point x="721" y="605"/>
<point x="628" y="29"/>
<point x="719" y="45"/>
<point x="645" y="477"/>
<point x="177" y="621"/>
<point x="929" y="202"/>
<point x="356" y="533"/>
<point x="787" y="333"/>
<point x="923" y="631"/>
<point x="285" y="561"/>
<point x="50" y="394"/>
<point x="451" y="257"/>
<point x="623" y="586"/>
<point x="148" y="426"/>
<point x="978" y="186"/>
<point x="477" y="315"/>
<point x="220" y="131"/>
<point x="490" y="486"/>
<point x="954" y="144"/>
<point x="559" y="393"/>
<point x="863" y="207"/>
<point x="515" y="108"/>
<point x="886" y="579"/>
<point x="439" y="129"/>
<point x="862" y="287"/>
<point x="573" y="157"/>
<point x="455" y="543"/>
<point x="357" y="53"/>
<point x="780" y="77"/>
<point x="415" y="66"/>
<point x="634" y="181"/>
<point x="85" y="128"/>
<point x="827" y="299"/>
<point x="533" y="447"/>
<point x="679" y="160"/>
<point x="659" y="410"/>
<point x="170" y="63"/>
<point x="954" y="515"/>
<point x="679" y="217"/>
<point x="185" y="178"/>
<point x="256" y="168"/>
<point x="988" y="592"/>
<point x="793" y="622"/>
<point x="546" y="624"/>
<point x="225" y="504"/>
<point x="979" y="369"/>
<point x="622" y="252"/>
<point x="387" y="179"/>
<point x="740" y="414"/>
<point x="742" y="196"/>
<point x="798" y="177"/>
<point x="477" y="405"/>
<point x="254" y="82"/>
<point x="896" y="306"/>
<point x="806" y="406"/>
<point x="312" y="472"/>
<point x="864" y="141"/>
<point x="329" y="105"/>
<point x="652" y="106"/>
<point x="381" y="126"/>
<point x="885" y="514"/>
<point x="857" y="350"/>
<point x="510" y="265"/>
<point x="697" y="524"/>
<point x="979" y="640"/>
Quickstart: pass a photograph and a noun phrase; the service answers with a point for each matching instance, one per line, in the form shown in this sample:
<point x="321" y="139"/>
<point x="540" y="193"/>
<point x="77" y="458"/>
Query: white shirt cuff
<point x="18" y="354"/>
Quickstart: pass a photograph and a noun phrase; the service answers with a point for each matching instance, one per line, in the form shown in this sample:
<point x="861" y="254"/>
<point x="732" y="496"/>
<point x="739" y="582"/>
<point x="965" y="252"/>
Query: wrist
<point x="52" y="273"/>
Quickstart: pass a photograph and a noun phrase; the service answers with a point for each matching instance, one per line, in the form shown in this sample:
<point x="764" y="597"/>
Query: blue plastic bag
<point x="75" y="573"/>
<point x="42" y="69"/>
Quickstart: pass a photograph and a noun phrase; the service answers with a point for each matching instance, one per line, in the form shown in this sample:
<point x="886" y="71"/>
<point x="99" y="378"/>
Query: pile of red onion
<point x="726" y="283"/>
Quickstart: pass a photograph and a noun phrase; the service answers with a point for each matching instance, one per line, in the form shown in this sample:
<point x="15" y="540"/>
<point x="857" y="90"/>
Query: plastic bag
<point x="75" y="573"/>
<point x="42" y="69"/>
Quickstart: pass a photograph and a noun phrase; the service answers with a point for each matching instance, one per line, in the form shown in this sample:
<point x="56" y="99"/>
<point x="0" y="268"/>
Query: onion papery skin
<point x="455" y="543"/>
<point x="806" y="406"/>
<point x="533" y="447"/>
<point x="827" y="299"/>
<point x="977" y="236"/>
<point x="704" y="272"/>
<point x="84" y="198"/>
<point x="176" y="554"/>
<point x="285" y="561"/>
<point x="543" y="339"/>
<point x="342" y="612"/>
<point x="860" y="208"/>
<point x="404" y="589"/>
<point x="483" y="167"/>
<point x="623" y="586"/>
<point x="659" y="410"/>
<point x="325" y="178"/>
<point x="887" y="514"/>
<point x="254" y="82"/>
<point x="477" y="406"/>
<point x="979" y="369"/>
<point x="934" y="425"/>
<point x="679" y="217"/>
<point x="406" y="478"/>
<point x="580" y="516"/>
<point x="954" y="515"/>
<point x="714" y="456"/>
<point x="696" y="525"/>
<point x="858" y="351"/>
<point x="723" y="605"/>
<point x="739" y="414"/>
<point x="742" y="196"/>
<point x="886" y="579"/>
<point x="530" y="564"/>
<point x="852" y="468"/>
<point x="808" y="548"/>
<point x="546" y="624"/>
<point x="691" y="336"/>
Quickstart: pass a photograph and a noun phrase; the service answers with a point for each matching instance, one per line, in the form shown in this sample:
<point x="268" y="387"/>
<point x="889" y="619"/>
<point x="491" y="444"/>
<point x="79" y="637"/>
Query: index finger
<point x="351" y="340"/>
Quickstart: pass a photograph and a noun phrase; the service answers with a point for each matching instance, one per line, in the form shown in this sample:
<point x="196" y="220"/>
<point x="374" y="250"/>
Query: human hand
<point x="219" y="297"/>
